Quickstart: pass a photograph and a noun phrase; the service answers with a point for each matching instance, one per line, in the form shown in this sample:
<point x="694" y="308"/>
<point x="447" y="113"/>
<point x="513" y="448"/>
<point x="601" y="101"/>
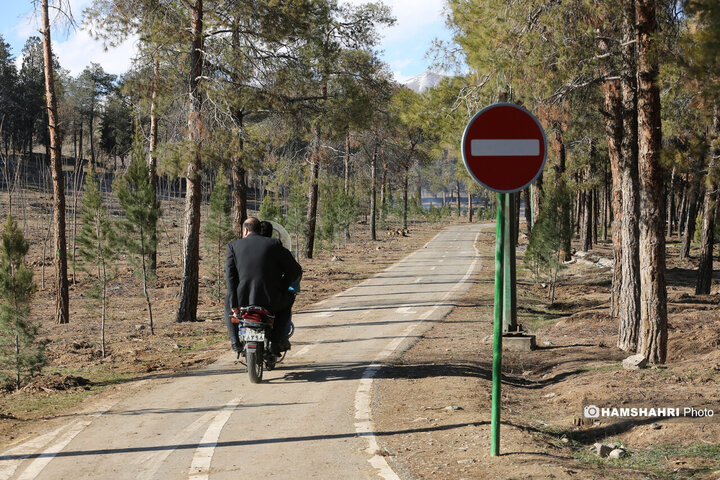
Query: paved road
<point x="309" y="419"/>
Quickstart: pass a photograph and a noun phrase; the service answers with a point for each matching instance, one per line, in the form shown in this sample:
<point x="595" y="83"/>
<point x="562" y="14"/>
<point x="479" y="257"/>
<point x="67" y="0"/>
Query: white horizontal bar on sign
<point x="505" y="147"/>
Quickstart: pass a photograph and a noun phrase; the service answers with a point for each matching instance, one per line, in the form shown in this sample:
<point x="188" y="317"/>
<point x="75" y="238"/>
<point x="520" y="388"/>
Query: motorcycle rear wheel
<point x="255" y="364"/>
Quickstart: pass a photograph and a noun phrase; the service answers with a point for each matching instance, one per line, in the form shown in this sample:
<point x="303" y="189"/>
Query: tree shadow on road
<point x="328" y="372"/>
<point x="234" y="443"/>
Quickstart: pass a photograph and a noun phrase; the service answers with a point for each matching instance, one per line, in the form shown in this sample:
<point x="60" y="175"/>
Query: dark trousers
<point x="283" y="314"/>
<point x="232" y="328"/>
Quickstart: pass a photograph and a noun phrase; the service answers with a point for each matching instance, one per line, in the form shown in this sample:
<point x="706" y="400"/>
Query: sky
<point x="404" y="45"/>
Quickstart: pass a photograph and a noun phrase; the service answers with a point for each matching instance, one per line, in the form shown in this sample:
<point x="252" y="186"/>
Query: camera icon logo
<point x="591" y="411"/>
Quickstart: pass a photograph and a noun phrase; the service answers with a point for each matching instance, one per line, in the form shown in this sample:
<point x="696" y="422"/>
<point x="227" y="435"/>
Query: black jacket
<point x="258" y="271"/>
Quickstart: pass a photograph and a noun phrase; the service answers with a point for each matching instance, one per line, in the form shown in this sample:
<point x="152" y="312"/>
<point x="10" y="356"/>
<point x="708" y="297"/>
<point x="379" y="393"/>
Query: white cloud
<point x="76" y="48"/>
<point x="28" y="27"/>
<point x="411" y="17"/>
<point x="81" y="48"/>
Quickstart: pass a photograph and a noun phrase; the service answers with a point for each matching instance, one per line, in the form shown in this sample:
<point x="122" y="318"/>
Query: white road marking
<point x="74" y="428"/>
<point x="200" y="467"/>
<point x="326" y="314"/>
<point x="154" y="462"/>
<point x="363" y="397"/>
<point x="8" y="467"/>
<point x="431" y="240"/>
<point x="405" y="310"/>
<point x="486" y="147"/>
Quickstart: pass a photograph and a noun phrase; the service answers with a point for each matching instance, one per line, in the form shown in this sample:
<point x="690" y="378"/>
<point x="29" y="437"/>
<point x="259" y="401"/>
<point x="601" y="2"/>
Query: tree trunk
<point x="383" y="181"/>
<point x="566" y="209"/>
<point x="373" y="191"/>
<point x="653" y="300"/>
<point x="312" y="205"/>
<point x="458" y="198"/>
<point x="347" y="176"/>
<point x="239" y="179"/>
<point x="537" y="197"/>
<point x="152" y="163"/>
<point x="671" y="204"/>
<point x="606" y="205"/>
<point x="62" y="304"/>
<point x="346" y="160"/>
<point x="613" y="102"/>
<point x="405" y="197"/>
<point x="470" y="207"/>
<point x="187" y="311"/>
<point x="691" y="215"/>
<point x="705" y="267"/>
<point x="579" y="206"/>
<point x="91" y="133"/>
<point x="682" y="208"/>
<point x="528" y="211"/>
<point x="586" y="222"/>
<point x="628" y="329"/>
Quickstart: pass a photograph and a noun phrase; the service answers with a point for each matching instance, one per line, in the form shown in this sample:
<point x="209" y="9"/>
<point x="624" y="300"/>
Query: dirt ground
<point x="432" y="405"/>
<point x="76" y="368"/>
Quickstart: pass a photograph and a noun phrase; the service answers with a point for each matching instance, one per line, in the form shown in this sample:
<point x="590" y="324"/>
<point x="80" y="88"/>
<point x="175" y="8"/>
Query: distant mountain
<point x="424" y="81"/>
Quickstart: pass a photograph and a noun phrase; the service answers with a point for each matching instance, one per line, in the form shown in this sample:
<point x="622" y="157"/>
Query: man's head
<point x="266" y="229"/>
<point x="251" y="225"/>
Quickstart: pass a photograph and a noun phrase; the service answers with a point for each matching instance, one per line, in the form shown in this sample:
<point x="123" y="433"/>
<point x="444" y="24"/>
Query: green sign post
<point x="509" y="318"/>
<point x="504" y="150"/>
<point x="497" y="325"/>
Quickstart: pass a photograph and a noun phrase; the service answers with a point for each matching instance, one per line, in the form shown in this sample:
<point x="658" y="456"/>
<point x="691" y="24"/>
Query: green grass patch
<point x="697" y="460"/>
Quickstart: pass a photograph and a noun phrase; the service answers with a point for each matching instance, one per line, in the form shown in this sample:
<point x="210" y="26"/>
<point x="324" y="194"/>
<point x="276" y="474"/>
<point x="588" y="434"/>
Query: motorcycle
<point x="256" y="324"/>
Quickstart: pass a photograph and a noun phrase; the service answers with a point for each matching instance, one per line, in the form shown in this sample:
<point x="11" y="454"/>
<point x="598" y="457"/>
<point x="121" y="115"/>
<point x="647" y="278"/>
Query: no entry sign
<point x="504" y="147"/>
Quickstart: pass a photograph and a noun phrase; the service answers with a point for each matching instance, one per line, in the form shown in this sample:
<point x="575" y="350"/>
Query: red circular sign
<point x="504" y="147"/>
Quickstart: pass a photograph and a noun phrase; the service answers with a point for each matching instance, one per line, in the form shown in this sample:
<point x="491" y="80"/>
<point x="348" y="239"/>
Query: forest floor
<point x="75" y="367"/>
<point x="544" y="434"/>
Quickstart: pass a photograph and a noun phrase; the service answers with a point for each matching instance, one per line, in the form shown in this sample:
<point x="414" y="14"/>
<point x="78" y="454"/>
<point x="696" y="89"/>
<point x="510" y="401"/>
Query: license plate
<point x="253" y="336"/>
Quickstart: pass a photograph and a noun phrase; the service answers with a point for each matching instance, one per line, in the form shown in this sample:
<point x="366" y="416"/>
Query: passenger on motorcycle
<point x="258" y="271"/>
<point x="282" y="317"/>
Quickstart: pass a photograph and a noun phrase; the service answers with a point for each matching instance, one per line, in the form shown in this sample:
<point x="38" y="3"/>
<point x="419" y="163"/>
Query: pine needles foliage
<point x="21" y="355"/>
<point x="97" y="247"/>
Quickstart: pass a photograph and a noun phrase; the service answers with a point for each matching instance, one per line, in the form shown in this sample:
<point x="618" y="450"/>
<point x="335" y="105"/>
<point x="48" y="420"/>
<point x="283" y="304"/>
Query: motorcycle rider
<point x="258" y="271"/>
<point x="284" y="316"/>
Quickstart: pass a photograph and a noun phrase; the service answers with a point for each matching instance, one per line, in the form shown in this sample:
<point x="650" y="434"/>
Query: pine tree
<point x="270" y="209"/>
<point x="295" y="216"/>
<point x="20" y="354"/>
<point x="142" y="210"/>
<point x="61" y="268"/>
<point x="338" y="213"/>
<point x="97" y="246"/>
<point x="219" y="227"/>
<point x="547" y="237"/>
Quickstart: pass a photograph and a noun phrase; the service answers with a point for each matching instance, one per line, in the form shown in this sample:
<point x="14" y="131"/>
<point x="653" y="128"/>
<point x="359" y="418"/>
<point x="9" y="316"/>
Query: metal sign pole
<point x="509" y="288"/>
<point x="532" y="212"/>
<point x="504" y="149"/>
<point x="497" y="326"/>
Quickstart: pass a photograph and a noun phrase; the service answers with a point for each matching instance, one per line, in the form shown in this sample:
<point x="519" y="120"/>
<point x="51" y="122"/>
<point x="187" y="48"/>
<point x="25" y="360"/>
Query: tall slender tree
<point x="189" y="283"/>
<point x="653" y="290"/>
<point x="61" y="267"/>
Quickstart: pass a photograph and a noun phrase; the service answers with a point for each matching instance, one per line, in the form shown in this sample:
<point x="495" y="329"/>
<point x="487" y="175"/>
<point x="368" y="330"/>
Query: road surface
<point x="310" y="418"/>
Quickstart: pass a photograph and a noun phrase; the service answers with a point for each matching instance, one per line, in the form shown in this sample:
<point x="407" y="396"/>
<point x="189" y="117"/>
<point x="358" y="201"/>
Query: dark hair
<point x="266" y="229"/>
<point x="252" y="225"/>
